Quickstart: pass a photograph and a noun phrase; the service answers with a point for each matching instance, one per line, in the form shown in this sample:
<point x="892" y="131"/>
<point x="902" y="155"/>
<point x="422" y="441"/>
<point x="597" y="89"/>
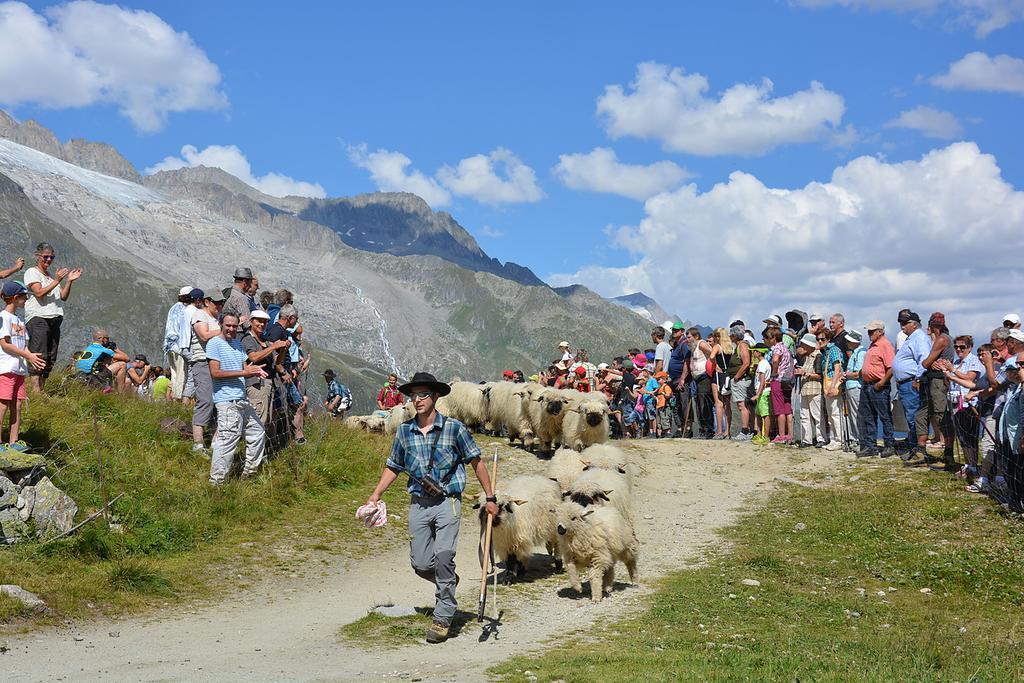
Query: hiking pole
<point x="487" y="544"/>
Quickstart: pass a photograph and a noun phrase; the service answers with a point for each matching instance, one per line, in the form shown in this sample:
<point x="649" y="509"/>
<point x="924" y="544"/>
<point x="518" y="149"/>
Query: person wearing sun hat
<point x="1011" y="321"/>
<point x="434" y="450"/>
<point x="875" y="398"/>
<point x="565" y="355"/>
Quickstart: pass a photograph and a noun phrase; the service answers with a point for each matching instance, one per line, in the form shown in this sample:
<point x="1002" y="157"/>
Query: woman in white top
<point x="43" y="310"/>
<point x="705" y="408"/>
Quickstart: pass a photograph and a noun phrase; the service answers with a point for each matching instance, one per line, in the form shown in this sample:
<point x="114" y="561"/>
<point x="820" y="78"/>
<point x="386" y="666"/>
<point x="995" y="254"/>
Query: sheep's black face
<point x="554" y="407"/>
<point x="561" y="530"/>
<point x="593" y="419"/>
<point x="581" y="499"/>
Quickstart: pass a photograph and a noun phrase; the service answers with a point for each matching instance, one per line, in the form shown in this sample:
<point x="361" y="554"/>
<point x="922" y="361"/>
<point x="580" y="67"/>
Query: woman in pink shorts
<point x="15" y="360"/>
<point x="782" y="372"/>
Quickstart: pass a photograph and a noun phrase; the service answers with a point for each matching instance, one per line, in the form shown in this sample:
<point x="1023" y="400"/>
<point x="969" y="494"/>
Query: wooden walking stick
<point x="485" y="561"/>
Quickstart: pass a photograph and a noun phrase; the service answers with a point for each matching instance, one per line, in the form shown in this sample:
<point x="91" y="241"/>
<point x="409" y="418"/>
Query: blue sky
<point x="302" y="87"/>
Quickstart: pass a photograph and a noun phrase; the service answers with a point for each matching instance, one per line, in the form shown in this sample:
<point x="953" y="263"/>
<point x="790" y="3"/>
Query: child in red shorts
<point x="14" y="362"/>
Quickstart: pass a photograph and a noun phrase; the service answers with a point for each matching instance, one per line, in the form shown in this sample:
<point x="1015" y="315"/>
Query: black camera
<point x="431" y="487"/>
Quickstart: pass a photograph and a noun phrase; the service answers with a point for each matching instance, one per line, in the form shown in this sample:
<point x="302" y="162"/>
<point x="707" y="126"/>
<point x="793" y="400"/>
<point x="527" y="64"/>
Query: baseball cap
<point x="534" y="378"/>
<point x="854" y="336"/>
<point x="773" y="320"/>
<point x="216" y="295"/>
<point x="809" y="340"/>
<point x="661" y="374"/>
<point x="736" y="323"/>
<point x="875" y="325"/>
<point x="259" y="314"/>
<point x="328" y="372"/>
<point x="1018" y="335"/>
<point x="627" y="364"/>
<point x="142" y="358"/>
<point x="185" y="291"/>
<point x="677" y="325"/>
<point x="760" y="348"/>
<point x="196" y="294"/>
<point x="814" y="317"/>
<point x="1011" y="318"/>
<point x="602" y="366"/>
<point x="507" y="373"/>
<point x="580" y="371"/>
<point x="564" y="344"/>
<point x="13" y="288"/>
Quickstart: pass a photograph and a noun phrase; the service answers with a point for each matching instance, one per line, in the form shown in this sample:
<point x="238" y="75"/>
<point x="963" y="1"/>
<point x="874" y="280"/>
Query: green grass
<point x="177" y="534"/>
<point x="820" y="613"/>
<point x="378" y="631"/>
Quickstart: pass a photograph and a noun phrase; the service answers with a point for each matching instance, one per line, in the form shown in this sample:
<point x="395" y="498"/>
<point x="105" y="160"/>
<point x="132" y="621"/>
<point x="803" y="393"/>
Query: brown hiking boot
<point x="437" y="633"/>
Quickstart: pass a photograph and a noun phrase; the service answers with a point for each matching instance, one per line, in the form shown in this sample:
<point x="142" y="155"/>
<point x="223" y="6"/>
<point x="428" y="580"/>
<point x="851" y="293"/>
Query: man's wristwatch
<point x="491" y="499"/>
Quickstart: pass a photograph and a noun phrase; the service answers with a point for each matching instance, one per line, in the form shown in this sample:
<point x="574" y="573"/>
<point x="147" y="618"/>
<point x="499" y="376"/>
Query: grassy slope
<point x="178" y="533"/>
<point x="819" y="613"/>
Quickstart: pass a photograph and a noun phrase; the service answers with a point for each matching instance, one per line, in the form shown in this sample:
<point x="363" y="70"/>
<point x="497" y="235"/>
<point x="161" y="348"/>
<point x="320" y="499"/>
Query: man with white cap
<point x="875" y="398"/>
<point x="173" y="343"/>
<point x="1011" y="321"/>
<point x="815" y="323"/>
<point x="853" y="388"/>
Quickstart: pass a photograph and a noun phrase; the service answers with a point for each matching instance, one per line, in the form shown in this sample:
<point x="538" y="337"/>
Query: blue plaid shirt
<point x="455" y="447"/>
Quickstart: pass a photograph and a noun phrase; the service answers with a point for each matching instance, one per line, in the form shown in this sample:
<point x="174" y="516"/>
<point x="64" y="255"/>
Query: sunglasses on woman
<point x="959" y="347"/>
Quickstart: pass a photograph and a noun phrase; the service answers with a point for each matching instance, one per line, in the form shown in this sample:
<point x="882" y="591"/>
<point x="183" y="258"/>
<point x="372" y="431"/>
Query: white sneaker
<point x="833" y="446"/>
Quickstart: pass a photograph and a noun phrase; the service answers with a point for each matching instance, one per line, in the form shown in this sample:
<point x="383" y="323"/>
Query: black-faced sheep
<point x="595" y="539"/>
<point x="546" y="412"/>
<point x="605" y="456"/>
<point x="597" y="488"/>
<point x="524" y="522"/>
<point x="585" y="423"/>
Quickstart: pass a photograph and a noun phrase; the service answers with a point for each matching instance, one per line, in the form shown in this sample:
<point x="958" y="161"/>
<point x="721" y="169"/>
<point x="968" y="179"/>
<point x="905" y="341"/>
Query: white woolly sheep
<point x="597" y="487"/>
<point x="398" y="415"/>
<point x="505" y="410"/>
<point x="545" y="414"/>
<point x="595" y="538"/>
<point x="565" y="466"/>
<point x="374" y="423"/>
<point x="605" y="456"/>
<point x="524" y="522"/>
<point x="467" y="403"/>
<point x="355" y="421"/>
<point x="585" y="423"/>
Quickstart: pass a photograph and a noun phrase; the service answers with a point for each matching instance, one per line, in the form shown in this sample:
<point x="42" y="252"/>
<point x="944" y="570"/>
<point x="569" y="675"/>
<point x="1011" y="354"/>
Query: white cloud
<point x="601" y="171"/>
<point x="496" y="178"/>
<point x="230" y="159"/>
<point x="984" y="16"/>
<point x="978" y="71"/>
<point x="488" y="231"/>
<point x="84" y="53"/>
<point x="876" y="237"/>
<point x="388" y="171"/>
<point x="930" y="122"/>
<point x="668" y="105"/>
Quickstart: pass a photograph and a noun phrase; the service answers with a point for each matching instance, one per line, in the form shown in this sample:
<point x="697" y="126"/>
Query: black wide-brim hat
<point x="425" y="379"/>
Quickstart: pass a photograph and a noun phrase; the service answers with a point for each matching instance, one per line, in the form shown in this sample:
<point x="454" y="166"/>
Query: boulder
<point x="12" y="527"/>
<point x="8" y="493"/>
<point x="53" y="511"/>
<point x="30" y="600"/>
<point x="15" y="461"/>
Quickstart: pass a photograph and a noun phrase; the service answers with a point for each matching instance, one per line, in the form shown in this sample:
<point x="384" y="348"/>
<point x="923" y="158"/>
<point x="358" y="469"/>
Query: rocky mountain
<point x="366" y="311"/>
<point x="97" y="156"/>
<point x="644" y="306"/>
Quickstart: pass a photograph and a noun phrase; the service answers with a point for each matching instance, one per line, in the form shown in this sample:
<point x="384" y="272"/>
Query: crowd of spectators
<point x="808" y="382"/>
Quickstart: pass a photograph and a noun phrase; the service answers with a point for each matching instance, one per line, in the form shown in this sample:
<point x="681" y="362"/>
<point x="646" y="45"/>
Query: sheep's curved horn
<point x="587" y="513"/>
<point x="519" y="501"/>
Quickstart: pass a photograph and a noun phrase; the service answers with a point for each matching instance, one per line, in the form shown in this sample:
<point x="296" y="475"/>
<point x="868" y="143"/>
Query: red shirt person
<point x="389" y="396"/>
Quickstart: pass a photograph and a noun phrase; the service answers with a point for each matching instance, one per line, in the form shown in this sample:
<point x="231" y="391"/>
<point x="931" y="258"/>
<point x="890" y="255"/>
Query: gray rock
<point x="54" y="511"/>
<point x="12" y="527"/>
<point x="30" y="600"/>
<point x="8" y="493"/>
<point x="394" y="610"/>
<point x="100" y="157"/>
<point x="26" y="501"/>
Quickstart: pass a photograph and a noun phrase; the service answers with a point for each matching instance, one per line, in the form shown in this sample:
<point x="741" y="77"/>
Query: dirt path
<point x="289" y="631"/>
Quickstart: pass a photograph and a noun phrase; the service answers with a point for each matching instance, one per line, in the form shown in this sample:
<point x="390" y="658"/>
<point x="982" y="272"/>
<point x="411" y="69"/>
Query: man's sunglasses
<point x="959" y="347"/>
<point x="421" y="395"/>
<point x="822" y="338"/>
<point x="48" y="257"/>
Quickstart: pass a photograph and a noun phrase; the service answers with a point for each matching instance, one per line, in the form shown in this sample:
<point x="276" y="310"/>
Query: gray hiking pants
<point x="235" y="418"/>
<point x="433" y="537"/>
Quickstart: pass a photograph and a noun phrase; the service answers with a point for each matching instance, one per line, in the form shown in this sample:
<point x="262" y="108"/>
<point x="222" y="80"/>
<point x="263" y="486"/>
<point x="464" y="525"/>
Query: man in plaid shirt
<point x="434" y="450"/>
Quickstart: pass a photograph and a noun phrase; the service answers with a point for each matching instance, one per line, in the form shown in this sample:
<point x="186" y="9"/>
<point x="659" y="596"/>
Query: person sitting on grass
<point x="138" y="376"/>
<point x="162" y="384"/>
<point x="118" y="365"/>
<point x="15" y="360"/>
<point x="339" y="398"/>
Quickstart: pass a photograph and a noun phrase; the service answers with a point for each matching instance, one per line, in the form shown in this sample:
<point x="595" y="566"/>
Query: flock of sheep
<point x="581" y="510"/>
<point x="540" y="417"/>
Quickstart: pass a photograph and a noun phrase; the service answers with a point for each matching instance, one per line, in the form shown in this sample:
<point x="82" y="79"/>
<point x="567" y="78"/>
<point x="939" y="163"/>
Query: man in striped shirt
<point x="235" y="415"/>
